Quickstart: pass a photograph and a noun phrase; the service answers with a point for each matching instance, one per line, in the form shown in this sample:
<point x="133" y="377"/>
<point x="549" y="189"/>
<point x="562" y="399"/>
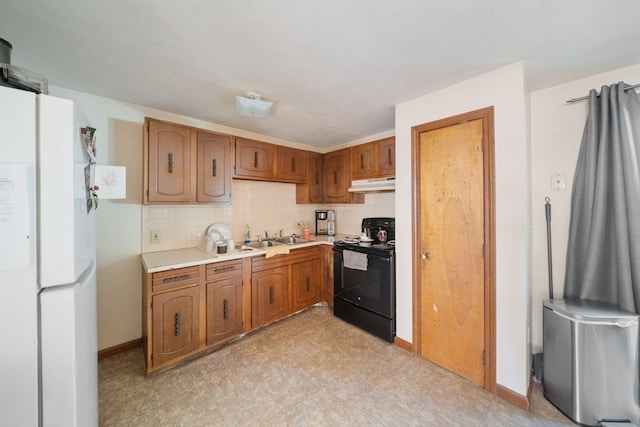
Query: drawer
<point x="223" y="270"/>
<point x="176" y="278"/>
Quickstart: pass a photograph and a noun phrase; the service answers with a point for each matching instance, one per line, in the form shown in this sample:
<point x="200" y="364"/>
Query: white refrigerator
<point x="48" y="325"/>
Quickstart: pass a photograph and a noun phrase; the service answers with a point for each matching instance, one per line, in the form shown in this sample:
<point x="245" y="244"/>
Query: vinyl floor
<point x="310" y="369"/>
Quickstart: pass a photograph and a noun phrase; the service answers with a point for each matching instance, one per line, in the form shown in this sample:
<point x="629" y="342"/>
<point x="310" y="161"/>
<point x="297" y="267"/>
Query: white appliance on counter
<point x="48" y="325"/>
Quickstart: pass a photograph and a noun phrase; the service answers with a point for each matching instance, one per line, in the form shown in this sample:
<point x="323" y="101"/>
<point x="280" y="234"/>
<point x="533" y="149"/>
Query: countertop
<point x="154" y="262"/>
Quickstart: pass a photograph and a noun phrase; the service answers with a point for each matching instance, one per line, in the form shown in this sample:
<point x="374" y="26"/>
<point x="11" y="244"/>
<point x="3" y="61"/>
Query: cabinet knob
<point x="426" y="255"/>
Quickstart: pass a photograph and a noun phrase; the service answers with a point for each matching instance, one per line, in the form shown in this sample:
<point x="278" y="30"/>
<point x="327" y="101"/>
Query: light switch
<point x="558" y="181"/>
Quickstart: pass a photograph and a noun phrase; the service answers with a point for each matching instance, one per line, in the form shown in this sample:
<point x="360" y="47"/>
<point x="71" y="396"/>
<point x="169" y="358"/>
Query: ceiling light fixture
<point x="253" y="106"/>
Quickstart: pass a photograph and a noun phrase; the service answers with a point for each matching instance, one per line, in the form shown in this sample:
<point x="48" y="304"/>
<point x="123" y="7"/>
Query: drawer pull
<point x="214" y="168"/>
<point x="224" y="269"/>
<point x="170" y="160"/>
<point x="270" y="294"/>
<point x="389" y="157"/>
<point x="361" y="161"/>
<point x="255" y="159"/>
<point x="176" y="278"/>
<point x="308" y="285"/>
<point x="225" y="309"/>
<point x="293" y="164"/>
<point x="177" y="325"/>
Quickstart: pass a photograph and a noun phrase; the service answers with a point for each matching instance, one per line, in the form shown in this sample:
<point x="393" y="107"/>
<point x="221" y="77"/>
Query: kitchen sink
<point x="291" y="240"/>
<point x="263" y="244"/>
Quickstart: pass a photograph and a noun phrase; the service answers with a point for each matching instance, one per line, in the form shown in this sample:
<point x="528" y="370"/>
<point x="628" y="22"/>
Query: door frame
<point x="486" y="115"/>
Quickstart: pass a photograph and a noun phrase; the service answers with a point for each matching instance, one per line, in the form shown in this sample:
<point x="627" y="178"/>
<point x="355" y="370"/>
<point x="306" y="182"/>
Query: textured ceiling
<point x="334" y="69"/>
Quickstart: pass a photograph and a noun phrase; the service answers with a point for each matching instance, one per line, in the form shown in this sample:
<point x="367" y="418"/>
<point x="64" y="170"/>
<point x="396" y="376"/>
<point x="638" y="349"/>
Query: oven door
<point x="373" y="289"/>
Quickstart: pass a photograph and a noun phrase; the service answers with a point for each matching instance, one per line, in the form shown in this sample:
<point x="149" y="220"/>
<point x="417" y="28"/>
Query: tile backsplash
<point x="262" y="205"/>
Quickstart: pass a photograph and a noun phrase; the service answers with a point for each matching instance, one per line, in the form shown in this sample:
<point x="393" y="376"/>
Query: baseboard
<point x="120" y="348"/>
<point x="522" y="402"/>
<point x="405" y="345"/>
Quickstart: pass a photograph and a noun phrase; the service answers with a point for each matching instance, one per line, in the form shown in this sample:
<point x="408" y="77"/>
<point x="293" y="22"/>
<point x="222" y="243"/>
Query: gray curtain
<point x="603" y="253"/>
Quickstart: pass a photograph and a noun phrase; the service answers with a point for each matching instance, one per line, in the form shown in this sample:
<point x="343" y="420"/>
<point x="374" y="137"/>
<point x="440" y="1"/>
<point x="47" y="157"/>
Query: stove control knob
<point x="426" y="255"/>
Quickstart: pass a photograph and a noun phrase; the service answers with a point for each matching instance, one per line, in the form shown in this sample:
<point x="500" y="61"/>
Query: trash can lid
<point x="590" y="311"/>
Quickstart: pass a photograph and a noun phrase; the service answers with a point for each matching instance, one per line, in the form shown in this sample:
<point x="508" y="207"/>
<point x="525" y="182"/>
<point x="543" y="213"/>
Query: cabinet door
<point x="254" y="160"/>
<point x="305" y="284"/>
<point x="363" y="161"/>
<point x="386" y="149"/>
<point x="293" y="164"/>
<point x="176" y="329"/>
<point x="311" y="191"/>
<point x="169" y="163"/>
<point x="269" y="295"/>
<point x="214" y="167"/>
<point x="336" y="178"/>
<point x="224" y="309"/>
<point x="327" y="267"/>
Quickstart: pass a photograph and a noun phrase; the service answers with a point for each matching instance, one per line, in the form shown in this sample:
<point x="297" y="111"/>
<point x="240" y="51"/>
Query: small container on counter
<point x="221" y="247"/>
<point x="209" y="245"/>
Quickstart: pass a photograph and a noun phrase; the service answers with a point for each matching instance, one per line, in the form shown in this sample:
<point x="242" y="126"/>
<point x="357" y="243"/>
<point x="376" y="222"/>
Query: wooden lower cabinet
<point x="176" y="327"/>
<point x="284" y="284"/>
<point x="327" y="266"/>
<point x="269" y="298"/>
<point x="305" y="284"/>
<point x="224" y="309"/>
<point x="189" y="310"/>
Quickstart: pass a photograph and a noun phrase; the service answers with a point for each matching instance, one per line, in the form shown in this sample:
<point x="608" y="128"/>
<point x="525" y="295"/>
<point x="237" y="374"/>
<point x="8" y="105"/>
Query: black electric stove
<point x="364" y="279"/>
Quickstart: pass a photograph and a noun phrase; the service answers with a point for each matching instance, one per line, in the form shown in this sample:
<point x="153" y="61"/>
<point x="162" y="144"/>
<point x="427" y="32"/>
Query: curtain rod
<point x="571" y="101"/>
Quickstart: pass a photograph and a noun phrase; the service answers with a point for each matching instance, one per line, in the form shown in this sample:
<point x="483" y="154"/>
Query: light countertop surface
<point x="154" y="262"/>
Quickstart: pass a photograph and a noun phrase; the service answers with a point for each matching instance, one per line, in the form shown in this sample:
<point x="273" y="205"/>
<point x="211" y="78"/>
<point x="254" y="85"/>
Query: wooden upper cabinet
<point x="363" y="161"/>
<point x="169" y="160"/>
<point x="374" y="159"/>
<point x="311" y="191"/>
<point x="386" y="150"/>
<point x="293" y="164"/>
<point x="214" y="167"/>
<point x="254" y="160"/>
<point x="337" y="178"/>
<point x="184" y="165"/>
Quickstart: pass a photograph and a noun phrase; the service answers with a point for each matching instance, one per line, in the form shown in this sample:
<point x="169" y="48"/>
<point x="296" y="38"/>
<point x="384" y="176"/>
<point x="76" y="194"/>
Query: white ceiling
<point x="334" y="69"/>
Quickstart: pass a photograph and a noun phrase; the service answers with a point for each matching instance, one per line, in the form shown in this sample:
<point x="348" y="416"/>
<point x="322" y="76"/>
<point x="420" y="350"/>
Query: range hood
<point x="374" y="185"/>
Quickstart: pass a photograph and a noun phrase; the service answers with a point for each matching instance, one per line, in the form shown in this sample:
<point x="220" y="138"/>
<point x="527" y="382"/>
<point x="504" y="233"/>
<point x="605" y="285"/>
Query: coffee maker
<point x="325" y="222"/>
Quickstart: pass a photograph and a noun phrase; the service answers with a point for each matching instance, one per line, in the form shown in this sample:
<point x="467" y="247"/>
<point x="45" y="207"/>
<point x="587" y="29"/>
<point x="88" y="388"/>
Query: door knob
<point x="426" y="255"/>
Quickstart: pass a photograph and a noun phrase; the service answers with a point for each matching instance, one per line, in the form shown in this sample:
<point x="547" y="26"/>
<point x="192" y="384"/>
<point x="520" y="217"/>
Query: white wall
<point x="123" y="225"/>
<point x="505" y="90"/>
<point x="556" y="134"/>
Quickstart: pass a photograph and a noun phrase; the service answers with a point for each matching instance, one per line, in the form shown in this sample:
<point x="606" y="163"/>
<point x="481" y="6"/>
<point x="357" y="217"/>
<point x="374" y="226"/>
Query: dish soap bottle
<point x="247" y="235"/>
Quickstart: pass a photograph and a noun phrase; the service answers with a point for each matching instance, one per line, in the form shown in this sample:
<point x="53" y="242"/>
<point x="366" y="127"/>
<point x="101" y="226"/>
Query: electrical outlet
<point x="155" y="236"/>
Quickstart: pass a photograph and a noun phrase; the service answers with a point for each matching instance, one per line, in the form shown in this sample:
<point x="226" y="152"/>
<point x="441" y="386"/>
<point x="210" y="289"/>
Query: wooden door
<point x="454" y="281"/>
<point x="305" y="286"/>
<point x="176" y="331"/>
<point x="386" y="149"/>
<point x="363" y="161"/>
<point x="269" y="298"/>
<point x="292" y="164"/>
<point x="224" y="309"/>
<point x="170" y="163"/>
<point x="254" y="160"/>
<point x="214" y="168"/>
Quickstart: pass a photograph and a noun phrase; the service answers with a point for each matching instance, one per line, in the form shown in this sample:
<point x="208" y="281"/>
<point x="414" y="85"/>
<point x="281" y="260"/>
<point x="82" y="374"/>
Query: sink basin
<point x="293" y="240"/>
<point x="263" y="244"/>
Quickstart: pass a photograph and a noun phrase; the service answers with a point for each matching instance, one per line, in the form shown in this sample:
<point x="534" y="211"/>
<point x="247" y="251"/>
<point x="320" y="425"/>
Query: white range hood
<point x="374" y="185"/>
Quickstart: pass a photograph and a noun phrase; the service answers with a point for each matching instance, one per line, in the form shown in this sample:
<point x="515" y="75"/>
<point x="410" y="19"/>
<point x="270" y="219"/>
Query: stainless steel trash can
<point x="590" y="369"/>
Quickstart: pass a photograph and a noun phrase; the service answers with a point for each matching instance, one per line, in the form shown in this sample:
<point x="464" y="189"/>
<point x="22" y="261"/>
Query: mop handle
<point x="547" y="210"/>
